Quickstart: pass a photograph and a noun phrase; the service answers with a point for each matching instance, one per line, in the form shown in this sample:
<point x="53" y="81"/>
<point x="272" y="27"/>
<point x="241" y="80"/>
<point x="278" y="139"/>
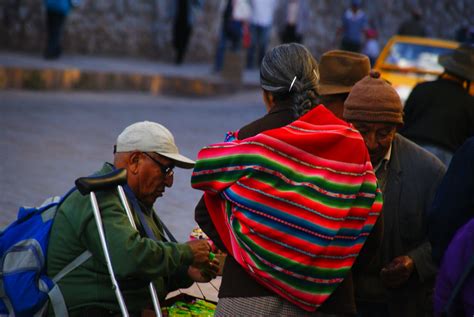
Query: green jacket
<point x="136" y="260"/>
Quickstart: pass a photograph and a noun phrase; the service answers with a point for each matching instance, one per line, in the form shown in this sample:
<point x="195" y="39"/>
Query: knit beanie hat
<point x="372" y="99"/>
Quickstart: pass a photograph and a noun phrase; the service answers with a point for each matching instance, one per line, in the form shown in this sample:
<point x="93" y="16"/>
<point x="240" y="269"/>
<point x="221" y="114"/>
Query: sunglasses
<point x="166" y="170"/>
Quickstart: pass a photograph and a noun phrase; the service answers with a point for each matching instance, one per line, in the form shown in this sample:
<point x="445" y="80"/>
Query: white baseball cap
<point x="149" y="136"/>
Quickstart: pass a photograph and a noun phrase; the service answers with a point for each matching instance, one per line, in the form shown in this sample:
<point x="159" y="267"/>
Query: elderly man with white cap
<point x="148" y="152"/>
<point x="399" y="280"/>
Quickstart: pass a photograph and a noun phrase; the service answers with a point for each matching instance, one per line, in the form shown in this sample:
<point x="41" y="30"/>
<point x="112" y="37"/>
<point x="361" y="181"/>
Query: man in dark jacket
<point x="439" y="115"/>
<point x="453" y="205"/>
<point x="400" y="280"/>
<point x="452" y="247"/>
<point x="414" y="25"/>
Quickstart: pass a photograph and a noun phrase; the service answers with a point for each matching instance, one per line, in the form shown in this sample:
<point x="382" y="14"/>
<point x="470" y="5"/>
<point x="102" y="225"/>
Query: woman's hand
<point x="204" y="274"/>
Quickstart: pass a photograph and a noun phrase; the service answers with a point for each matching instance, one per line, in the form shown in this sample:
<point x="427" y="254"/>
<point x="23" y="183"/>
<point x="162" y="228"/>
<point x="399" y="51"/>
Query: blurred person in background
<point x="235" y="14"/>
<point x="413" y="26"/>
<point x="293" y="17"/>
<point x="371" y="46"/>
<point x="354" y="24"/>
<point x="56" y="14"/>
<point x="261" y="24"/>
<point x="184" y="17"/>
<point x="439" y="115"/>
<point x="465" y="33"/>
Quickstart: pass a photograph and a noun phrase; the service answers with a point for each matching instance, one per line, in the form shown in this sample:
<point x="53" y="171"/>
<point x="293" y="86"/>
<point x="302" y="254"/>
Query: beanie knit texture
<point x="372" y="99"/>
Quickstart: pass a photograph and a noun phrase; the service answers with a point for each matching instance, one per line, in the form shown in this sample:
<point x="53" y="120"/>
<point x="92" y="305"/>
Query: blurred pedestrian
<point x="399" y="281"/>
<point x="339" y="71"/>
<point x="235" y="14"/>
<point x="439" y="115"/>
<point x="293" y="17"/>
<point x="354" y="24"/>
<point x="184" y="17"/>
<point x="289" y="79"/>
<point x="371" y="45"/>
<point x="261" y="24"/>
<point x="465" y="33"/>
<point x="56" y="14"/>
<point x="414" y="26"/>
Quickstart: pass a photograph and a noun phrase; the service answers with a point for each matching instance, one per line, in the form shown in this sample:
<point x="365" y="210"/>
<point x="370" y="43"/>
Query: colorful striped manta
<point x="293" y="205"/>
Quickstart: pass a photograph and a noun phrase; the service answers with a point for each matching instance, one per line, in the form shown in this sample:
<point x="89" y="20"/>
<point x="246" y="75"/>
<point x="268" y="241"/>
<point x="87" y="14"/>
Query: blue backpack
<point x="24" y="286"/>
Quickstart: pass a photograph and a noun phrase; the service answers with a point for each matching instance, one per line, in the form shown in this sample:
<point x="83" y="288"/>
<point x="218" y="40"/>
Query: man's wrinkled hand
<point x="201" y="250"/>
<point x="204" y="274"/>
<point x="397" y="272"/>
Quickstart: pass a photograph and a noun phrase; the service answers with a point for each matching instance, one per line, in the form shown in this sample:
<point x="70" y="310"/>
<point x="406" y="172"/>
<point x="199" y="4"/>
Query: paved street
<point x="49" y="139"/>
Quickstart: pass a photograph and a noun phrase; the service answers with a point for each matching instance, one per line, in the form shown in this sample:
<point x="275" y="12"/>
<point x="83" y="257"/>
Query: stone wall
<point x="142" y="28"/>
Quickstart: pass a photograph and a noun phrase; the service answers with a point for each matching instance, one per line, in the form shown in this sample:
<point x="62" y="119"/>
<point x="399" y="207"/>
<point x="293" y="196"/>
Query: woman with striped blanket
<point x="292" y="205"/>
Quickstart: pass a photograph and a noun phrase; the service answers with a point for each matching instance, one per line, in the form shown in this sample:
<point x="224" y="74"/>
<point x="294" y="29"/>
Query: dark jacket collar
<point x="281" y="107"/>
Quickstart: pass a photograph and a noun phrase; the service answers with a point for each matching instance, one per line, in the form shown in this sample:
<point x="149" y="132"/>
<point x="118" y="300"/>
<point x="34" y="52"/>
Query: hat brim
<point x="452" y="66"/>
<point x="181" y="161"/>
<point x="324" y="89"/>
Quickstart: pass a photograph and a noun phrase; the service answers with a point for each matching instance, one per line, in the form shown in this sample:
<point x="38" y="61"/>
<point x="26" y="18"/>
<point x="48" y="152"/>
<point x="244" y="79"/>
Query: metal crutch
<point x="88" y="185"/>
<point x="154" y="295"/>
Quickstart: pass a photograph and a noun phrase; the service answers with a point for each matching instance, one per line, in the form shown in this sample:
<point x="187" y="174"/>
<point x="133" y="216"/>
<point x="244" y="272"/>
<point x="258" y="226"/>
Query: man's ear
<point x="134" y="162"/>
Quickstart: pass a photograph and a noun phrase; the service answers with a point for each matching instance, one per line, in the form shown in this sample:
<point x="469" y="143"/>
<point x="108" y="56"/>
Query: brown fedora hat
<point x="340" y="70"/>
<point x="460" y="62"/>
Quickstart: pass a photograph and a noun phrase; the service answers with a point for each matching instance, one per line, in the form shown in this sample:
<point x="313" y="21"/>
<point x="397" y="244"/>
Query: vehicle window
<point x="422" y="57"/>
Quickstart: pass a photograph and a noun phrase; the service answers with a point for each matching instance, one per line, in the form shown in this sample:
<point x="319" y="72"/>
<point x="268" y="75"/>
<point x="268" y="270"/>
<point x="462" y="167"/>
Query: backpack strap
<point x="57" y="302"/>
<point x="457" y="288"/>
<point x="136" y="207"/>
<point x="142" y="219"/>
<point x="5" y="299"/>
<point x="71" y="266"/>
<point x="55" y="295"/>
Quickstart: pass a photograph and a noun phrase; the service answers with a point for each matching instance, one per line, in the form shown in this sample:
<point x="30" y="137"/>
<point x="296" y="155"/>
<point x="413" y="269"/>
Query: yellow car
<point x="406" y="61"/>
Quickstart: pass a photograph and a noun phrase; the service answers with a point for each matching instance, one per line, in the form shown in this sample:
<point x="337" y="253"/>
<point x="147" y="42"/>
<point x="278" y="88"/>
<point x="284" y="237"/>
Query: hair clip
<point x="316" y="74"/>
<point x="291" y="86"/>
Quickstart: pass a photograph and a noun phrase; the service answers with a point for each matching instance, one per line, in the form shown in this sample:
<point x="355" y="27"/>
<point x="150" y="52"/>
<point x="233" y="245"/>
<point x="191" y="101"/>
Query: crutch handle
<point x="85" y="185"/>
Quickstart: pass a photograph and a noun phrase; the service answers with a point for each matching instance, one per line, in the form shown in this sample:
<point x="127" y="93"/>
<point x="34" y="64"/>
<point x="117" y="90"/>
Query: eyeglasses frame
<point x="166" y="170"/>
